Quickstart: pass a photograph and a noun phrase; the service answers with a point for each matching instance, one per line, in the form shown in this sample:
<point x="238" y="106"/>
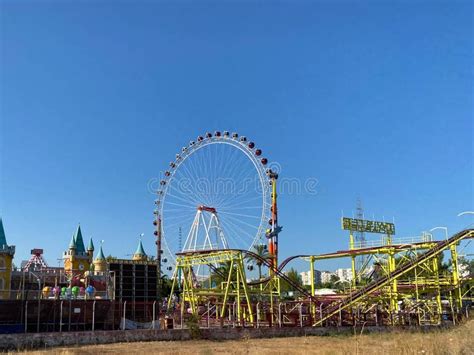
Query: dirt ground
<point x="459" y="340"/>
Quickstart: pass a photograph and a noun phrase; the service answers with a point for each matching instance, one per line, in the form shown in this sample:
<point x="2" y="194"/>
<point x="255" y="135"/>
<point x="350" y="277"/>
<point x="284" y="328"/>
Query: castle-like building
<point x="6" y="258"/>
<point x="79" y="261"/>
<point x="136" y="278"/>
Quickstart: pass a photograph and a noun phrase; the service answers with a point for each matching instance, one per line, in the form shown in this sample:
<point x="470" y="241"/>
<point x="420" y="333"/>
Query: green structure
<point x="6" y="257"/>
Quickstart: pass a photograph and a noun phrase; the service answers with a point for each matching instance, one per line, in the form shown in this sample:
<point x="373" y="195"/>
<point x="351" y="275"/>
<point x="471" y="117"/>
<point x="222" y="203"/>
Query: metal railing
<point x="384" y="241"/>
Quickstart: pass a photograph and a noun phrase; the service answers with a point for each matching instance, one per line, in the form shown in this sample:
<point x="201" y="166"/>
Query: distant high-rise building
<point x="326" y="276"/>
<point x="344" y="274"/>
<point x="306" y="277"/>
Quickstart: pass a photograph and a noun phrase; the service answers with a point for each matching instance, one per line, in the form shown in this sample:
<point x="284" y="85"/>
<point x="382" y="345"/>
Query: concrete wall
<point x="45" y="340"/>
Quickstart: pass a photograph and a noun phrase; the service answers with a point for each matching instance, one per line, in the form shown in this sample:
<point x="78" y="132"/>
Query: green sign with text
<point x="362" y="225"/>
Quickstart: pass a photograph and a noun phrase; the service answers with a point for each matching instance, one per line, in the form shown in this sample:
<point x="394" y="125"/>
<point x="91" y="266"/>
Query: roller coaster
<point x="324" y="310"/>
<point x="210" y="283"/>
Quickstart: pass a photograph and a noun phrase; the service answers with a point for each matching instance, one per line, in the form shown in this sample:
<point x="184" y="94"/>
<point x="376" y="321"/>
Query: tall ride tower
<point x="360" y="237"/>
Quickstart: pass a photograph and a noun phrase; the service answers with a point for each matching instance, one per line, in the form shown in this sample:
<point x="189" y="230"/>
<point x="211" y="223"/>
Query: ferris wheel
<point x="216" y="194"/>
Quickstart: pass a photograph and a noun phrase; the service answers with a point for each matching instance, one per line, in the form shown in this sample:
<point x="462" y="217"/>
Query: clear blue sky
<point x="374" y="99"/>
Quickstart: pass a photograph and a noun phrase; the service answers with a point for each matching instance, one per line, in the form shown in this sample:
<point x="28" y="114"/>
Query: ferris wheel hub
<point x="207" y="209"/>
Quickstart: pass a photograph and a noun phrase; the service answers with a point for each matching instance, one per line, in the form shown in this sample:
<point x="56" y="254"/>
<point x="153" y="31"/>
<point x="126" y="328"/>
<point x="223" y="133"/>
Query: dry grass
<point x="459" y="340"/>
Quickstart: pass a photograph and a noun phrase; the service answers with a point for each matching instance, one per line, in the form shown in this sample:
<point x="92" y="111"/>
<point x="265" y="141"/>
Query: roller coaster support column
<point x="435" y="262"/>
<point x="353" y="260"/>
<point x="239" y="287"/>
<point x="417" y="296"/>
<point x="174" y="286"/>
<point x="455" y="275"/>
<point x="393" y="286"/>
<point x="311" y="272"/>
<point x="185" y="267"/>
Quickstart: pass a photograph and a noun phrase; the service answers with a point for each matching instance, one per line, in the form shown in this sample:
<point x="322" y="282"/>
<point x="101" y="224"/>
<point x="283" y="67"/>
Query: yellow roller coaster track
<point x="359" y="294"/>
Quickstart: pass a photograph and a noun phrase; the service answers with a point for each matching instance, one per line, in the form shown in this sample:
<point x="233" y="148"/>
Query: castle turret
<point x="100" y="263"/>
<point x="72" y="243"/>
<point x="140" y="253"/>
<point x="90" y="249"/>
<point x="79" y="241"/>
<point x="6" y="257"/>
<point x="76" y="259"/>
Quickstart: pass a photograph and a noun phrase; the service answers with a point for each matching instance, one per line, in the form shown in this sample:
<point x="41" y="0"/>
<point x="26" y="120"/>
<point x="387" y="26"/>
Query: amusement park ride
<point x="222" y="193"/>
<point x="221" y="188"/>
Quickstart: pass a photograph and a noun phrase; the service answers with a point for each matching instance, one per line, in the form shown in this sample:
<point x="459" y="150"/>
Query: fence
<point x="45" y="315"/>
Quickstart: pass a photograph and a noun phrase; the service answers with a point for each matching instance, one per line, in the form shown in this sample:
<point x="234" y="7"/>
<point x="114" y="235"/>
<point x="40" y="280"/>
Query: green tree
<point x="332" y="283"/>
<point x="293" y="275"/>
<point x="111" y="258"/>
<point x="166" y="284"/>
<point x="262" y="252"/>
<point x="466" y="266"/>
<point x="221" y="274"/>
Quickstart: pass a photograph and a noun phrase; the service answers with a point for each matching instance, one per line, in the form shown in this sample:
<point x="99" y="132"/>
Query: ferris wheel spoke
<point x="181" y="205"/>
<point x="188" y="198"/>
<point x="195" y="171"/>
<point x="230" y="231"/>
<point x="239" y="231"/>
<point x="230" y="162"/>
<point x="233" y="200"/>
<point x="231" y="234"/>
<point x="192" y="178"/>
<point x="241" y="215"/>
<point x="238" y="201"/>
<point x="246" y="208"/>
<point x="175" y="223"/>
<point x="233" y="204"/>
<point x="240" y="221"/>
<point x="228" y="166"/>
<point x="243" y="174"/>
<point x="210" y="171"/>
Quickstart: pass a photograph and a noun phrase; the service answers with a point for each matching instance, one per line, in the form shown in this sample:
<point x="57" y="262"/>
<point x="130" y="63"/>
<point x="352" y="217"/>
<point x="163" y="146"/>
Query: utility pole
<point x="180" y="241"/>
<point x="157" y="223"/>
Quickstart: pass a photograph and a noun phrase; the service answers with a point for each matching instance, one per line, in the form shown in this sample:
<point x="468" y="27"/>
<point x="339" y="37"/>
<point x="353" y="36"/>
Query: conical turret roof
<point x="90" y="247"/>
<point x="140" y="251"/>
<point x="72" y="243"/>
<point x="100" y="255"/>
<point x="3" y="238"/>
<point x="79" y="241"/>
